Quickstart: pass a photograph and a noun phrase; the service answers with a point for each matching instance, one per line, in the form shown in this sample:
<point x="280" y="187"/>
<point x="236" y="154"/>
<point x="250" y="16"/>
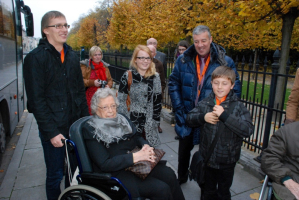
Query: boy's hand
<point x="211" y="118"/>
<point x="218" y="110"/>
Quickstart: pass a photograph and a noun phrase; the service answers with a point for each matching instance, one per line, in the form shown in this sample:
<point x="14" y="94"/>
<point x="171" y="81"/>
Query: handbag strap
<point x="130" y="79"/>
<point x="220" y="129"/>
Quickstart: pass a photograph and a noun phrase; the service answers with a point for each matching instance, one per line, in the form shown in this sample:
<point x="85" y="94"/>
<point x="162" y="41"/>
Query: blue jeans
<point x="54" y="159"/>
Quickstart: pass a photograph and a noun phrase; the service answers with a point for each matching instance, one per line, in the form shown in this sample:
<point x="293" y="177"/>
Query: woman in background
<point x="94" y="72"/>
<point x="182" y="46"/>
<point x="145" y="95"/>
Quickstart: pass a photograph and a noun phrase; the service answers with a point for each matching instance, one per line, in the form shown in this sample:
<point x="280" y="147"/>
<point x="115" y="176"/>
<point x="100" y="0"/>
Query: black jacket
<point x="237" y="126"/>
<point x="55" y="90"/>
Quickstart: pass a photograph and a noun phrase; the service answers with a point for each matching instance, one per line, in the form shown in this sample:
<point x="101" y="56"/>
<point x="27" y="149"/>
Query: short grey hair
<point x="101" y="93"/>
<point x="200" y="29"/>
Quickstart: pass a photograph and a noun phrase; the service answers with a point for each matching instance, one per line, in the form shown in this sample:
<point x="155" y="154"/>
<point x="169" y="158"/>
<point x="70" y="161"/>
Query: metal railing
<point x="258" y="92"/>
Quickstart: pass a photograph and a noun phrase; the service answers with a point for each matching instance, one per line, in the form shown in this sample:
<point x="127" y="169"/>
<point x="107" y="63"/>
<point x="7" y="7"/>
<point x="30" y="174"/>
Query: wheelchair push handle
<point x="63" y="141"/>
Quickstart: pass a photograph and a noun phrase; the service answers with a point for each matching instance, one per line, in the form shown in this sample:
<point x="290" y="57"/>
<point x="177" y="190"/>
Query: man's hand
<point x="211" y="118"/>
<point x="218" y="110"/>
<point x="56" y="141"/>
<point x="293" y="187"/>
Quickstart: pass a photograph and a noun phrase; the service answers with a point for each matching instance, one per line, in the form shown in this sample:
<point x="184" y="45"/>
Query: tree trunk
<point x="287" y="28"/>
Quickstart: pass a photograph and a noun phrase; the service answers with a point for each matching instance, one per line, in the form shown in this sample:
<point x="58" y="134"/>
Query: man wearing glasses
<point x="55" y="92"/>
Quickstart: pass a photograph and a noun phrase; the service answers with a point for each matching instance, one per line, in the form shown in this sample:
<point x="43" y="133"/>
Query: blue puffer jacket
<point x="182" y="84"/>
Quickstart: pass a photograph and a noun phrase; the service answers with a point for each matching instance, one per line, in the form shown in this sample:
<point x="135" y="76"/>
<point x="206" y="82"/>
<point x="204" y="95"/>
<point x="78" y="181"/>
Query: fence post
<point x="275" y="66"/>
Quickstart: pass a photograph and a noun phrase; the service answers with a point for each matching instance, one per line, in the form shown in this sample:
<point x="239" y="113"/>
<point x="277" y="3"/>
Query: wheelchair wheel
<point x="82" y="192"/>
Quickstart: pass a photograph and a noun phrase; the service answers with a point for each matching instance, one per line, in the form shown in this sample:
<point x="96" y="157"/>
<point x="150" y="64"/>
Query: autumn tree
<point x="91" y="28"/>
<point x="287" y="10"/>
<point x="133" y="22"/>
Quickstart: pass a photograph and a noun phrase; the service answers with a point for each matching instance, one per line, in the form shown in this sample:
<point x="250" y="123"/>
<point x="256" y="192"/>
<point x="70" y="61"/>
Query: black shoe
<point x="177" y="137"/>
<point x="182" y="181"/>
<point x="160" y="129"/>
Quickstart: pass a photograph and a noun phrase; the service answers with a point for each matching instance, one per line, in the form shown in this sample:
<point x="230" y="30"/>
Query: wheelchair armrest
<point x="92" y="175"/>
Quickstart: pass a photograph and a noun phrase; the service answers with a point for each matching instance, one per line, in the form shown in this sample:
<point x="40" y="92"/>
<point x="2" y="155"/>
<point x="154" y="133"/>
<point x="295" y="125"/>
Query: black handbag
<point x="198" y="163"/>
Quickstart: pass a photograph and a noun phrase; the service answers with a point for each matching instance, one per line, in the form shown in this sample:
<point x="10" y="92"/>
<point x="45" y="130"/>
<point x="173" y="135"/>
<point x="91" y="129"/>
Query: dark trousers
<point x="54" y="159"/>
<point x="185" y="147"/>
<point x="217" y="183"/>
<point x="160" y="184"/>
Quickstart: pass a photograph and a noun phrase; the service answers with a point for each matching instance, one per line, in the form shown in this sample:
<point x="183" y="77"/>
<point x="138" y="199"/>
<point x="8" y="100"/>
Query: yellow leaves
<point x="255" y="196"/>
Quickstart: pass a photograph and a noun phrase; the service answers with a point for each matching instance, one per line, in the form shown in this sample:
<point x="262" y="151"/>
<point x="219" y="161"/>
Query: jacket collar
<point x="44" y="43"/>
<point x="230" y="97"/>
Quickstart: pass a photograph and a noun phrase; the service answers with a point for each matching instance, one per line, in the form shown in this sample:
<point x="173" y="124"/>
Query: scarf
<point x="110" y="130"/>
<point x="100" y="70"/>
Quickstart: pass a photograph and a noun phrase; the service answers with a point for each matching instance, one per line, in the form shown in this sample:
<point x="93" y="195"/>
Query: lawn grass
<point x="258" y="93"/>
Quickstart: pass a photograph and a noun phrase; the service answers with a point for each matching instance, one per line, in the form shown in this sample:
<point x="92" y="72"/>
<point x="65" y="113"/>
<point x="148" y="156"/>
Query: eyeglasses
<point x="106" y="108"/>
<point x="98" y="54"/>
<point x="60" y="26"/>
<point x="152" y="43"/>
<point x="144" y="58"/>
<point x="182" y="49"/>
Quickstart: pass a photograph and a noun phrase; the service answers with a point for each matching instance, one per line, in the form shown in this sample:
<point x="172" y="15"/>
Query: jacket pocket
<point x="59" y="110"/>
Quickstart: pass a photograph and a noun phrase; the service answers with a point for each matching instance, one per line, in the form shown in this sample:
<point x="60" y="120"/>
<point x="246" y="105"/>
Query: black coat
<point x="55" y="90"/>
<point x="238" y="125"/>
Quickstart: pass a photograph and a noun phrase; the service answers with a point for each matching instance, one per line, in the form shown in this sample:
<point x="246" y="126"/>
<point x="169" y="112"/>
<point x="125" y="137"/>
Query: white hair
<point x="101" y="93"/>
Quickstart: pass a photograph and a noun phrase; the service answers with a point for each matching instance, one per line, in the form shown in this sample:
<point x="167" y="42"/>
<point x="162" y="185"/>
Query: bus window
<point x="8" y="20"/>
<point x="1" y="19"/>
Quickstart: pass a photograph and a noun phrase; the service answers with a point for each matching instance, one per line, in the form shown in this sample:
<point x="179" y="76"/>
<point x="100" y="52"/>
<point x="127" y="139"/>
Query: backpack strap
<point x="130" y="79"/>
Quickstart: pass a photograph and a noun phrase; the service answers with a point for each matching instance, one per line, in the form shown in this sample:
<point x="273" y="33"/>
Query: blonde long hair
<point x="152" y="69"/>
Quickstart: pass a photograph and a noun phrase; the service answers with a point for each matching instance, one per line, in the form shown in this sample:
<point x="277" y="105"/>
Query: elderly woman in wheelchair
<point x="280" y="161"/>
<point x="109" y="137"/>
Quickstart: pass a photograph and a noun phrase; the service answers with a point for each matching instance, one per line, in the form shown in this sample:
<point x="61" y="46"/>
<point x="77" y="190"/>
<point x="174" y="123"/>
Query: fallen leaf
<point x="19" y="133"/>
<point x="172" y="124"/>
<point x="1" y="170"/>
<point x="255" y="196"/>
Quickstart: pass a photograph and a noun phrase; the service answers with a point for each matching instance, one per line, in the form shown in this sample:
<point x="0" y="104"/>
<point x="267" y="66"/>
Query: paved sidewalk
<point x="25" y="176"/>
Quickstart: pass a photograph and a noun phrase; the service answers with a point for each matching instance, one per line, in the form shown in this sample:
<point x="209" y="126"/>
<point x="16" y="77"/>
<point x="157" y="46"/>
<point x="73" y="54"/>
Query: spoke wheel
<point x="2" y="136"/>
<point x="83" y="192"/>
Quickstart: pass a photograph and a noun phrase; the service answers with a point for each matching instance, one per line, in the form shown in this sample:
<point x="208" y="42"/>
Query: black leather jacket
<point x="55" y="90"/>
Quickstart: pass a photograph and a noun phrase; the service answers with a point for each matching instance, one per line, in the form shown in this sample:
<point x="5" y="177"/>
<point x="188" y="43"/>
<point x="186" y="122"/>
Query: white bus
<point x="12" y="99"/>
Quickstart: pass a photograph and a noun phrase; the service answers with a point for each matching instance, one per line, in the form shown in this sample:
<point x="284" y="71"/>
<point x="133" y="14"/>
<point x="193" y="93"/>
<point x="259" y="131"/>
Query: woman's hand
<point x="97" y="83"/>
<point x="146" y="153"/>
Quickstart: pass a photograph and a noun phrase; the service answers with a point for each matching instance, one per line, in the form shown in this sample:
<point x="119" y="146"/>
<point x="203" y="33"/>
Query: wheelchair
<point x="267" y="190"/>
<point x="91" y="185"/>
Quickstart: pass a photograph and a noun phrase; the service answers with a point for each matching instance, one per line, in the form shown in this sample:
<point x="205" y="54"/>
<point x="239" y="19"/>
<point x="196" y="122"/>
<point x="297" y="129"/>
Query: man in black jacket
<point x="55" y="92"/>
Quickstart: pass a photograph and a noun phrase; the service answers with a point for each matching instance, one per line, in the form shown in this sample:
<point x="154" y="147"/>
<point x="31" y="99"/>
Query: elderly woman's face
<point x="107" y="108"/>
<point x="97" y="57"/>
